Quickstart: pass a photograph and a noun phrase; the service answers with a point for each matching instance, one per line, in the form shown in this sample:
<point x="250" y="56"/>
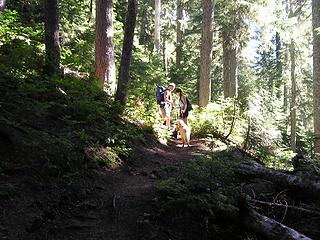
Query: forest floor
<point x="52" y="188"/>
<point x="119" y="203"/>
<point x="133" y="201"/>
<point x="124" y="203"/>
<point x="60" y="178"/>
<point x="129" y="206"/>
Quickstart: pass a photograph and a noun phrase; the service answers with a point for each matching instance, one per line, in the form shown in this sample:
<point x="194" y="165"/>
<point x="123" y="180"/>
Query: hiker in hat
<point x="168" y="103"/>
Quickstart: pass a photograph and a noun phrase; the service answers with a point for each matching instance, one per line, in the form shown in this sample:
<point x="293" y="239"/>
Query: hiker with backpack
<point x="165" y="100"/>
<point x="184" y="104"/>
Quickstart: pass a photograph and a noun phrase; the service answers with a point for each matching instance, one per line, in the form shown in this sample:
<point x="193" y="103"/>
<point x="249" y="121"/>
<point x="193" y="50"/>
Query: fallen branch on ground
<point x="282" y="179"/>
<point x="270" y="228"/>
<point x="256" y="222"/>
<point x="300" y="209"/>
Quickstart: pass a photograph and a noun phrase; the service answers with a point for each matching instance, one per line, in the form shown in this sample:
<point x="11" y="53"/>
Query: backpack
<point x="189" y="106"/>
<point x="160" y="94"/>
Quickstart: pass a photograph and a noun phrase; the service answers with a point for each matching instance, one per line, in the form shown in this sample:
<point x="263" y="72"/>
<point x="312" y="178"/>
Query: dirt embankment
<point x="94" y="204"/>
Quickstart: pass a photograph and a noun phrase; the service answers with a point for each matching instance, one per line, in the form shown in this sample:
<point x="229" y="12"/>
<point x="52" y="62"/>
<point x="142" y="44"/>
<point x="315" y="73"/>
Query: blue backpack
<point x="160" y="94"/>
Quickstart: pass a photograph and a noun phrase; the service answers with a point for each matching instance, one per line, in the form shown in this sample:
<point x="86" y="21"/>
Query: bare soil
<point x="99" y="204"/>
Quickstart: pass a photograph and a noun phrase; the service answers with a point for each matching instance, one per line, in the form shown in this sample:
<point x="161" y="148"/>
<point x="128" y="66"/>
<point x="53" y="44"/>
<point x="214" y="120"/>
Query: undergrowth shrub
<point x="64" y="117"/>
<point x="219" y="117"/>
<point x="200" y="188"/>
<point x="141" y="107"/>
<point x="255" y="127"/>
<point x="21" y="46"/>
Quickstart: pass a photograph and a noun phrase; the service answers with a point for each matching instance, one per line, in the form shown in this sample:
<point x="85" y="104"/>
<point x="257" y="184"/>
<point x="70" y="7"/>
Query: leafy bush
<point x="255" y="127"/>
<point x="201" y="187"/>
<point x="63" y="117"/>
<point x="20" y="47"/>
<point x="219" y="117"/>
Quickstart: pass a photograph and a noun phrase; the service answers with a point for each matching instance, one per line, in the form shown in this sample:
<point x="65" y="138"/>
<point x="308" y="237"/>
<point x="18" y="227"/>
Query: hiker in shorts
<point x="184" y="105"/>
<point x="168" y="103"/>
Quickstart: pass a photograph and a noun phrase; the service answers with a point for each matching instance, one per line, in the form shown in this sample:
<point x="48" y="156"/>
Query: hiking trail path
<point x="127" y="207"/>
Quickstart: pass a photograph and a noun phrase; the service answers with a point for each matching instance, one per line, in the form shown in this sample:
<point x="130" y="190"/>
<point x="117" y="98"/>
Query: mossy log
<point x="269" y="228"/>
<point x="284" y="180"/>
<point x="255" y="222"/>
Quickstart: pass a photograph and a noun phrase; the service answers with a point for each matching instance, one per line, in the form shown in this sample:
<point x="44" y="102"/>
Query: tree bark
<point x="230" y="81"/>
<point x="285" y="98"/>
<point x="179" y="34"/>
<point x="278" y="65"/>
<point x="143" y="27"/>
<point x="126" y="51"/>
<point x="164" y="55"/>
<point x="51" y="24"/>
<point x="2" y="5"/>
<point x="246" y="142"/>
<point x="269" y="228"/>
<point x="282" y="179"/>
<point x="278" y="54"/>
<point x="157" y="25"/>
<point x="206" y="53"/>
<point x="254" y="221"/>
<point x="316" y="73"/>
<point x="293" y="107"/>
<point x="104" y="50"/>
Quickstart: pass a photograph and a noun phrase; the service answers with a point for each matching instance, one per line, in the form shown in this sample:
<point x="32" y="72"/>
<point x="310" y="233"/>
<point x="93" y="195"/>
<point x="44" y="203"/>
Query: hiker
<point x="184" y="105"/>
<point x="166" y="107"/>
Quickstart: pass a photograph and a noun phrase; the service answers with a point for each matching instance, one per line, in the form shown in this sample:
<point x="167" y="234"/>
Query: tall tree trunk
<point x="179" y="34"/>
<point x="226" y="71"/>
<point x="2" y="5"/>
<point x="234" y="73"/>
<point x="316" y="73"/>
<point x="285" y="98"/>
<point x="163" y="47"/>
<point x="293" y="107"/>
<point x="104" y="51"/>
<point x="126" y="51"/>
<point x="278" y="64"/>
<point x="143" y="27"/>
<point x="230" y="67"/>
<point x="164" y="55"/>
<point x="51" y="24"/>
<point x="157" y="25"/>
<point x="206" y="53"/>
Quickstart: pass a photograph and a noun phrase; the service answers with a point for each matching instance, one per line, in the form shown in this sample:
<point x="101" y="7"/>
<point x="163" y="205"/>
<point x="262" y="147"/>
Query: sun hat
<point x="173" y="85"/>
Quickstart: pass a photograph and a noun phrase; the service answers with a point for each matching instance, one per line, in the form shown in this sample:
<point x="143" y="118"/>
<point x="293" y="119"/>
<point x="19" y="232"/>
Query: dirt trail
<point x="129" y="207"/>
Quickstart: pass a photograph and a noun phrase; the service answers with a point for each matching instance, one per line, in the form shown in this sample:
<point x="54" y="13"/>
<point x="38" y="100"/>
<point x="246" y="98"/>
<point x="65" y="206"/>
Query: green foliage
<point x="20" y="46"/>
<point x="146" y="74"/>
<point x="64" y="117"/>
<point x="231" y="18"/>
<point x="264" y="117"/>
<point x="218" y="118"/>
<point x="254" y="127"/>
<point x="31" y="11"/>
<point x="77" y="40"/>
<point x="104" y="156"/>
<point x="200" y="188"/>
<point x="80" y="102"/>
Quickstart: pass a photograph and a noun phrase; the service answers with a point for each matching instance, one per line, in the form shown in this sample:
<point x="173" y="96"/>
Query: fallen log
<point x="269" y="228"/>
<point x="306" y="166"/>
<point x="256" y="222"/>
<point x="285" y="180"/>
